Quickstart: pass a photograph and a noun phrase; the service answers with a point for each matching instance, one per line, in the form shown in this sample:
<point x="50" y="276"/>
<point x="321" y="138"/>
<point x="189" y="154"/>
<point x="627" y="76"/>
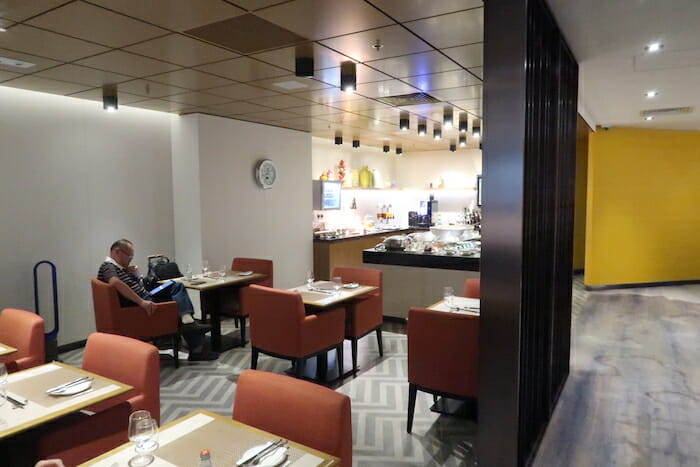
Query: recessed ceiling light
<point x="289" y="85"/>
<point x="3" y="29"/>
<point x="15" y="63"/>
<point x="651" y="94"/>
<point x="649" y="117"/>
<point x="654" y="47"/>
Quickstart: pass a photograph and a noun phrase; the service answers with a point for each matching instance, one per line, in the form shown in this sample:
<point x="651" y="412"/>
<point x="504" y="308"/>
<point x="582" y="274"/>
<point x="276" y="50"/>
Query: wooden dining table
<point x="6" y="349"/>
<point x="30" y="385"/>
<point x="461" y="305"/>
<point x="210" y="289"/>
<point x="181" y="441"/>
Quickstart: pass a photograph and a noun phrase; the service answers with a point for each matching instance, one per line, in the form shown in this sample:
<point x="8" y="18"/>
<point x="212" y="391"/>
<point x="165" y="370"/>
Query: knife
<point x="61" y="387"/>
<point x="16" y="402"/>
<point x="270" y="446"/>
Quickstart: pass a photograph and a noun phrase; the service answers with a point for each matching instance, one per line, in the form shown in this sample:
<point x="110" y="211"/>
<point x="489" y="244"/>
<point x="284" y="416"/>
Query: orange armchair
<point x="365" y="315"/>
<point x="24" y="331"/>
<point x="231" y="304"/>
<point x="472" y="288"/>
<point x="443" y="355"/>
<point x="303" y="412"/>
<point x="279" y="327"/>
<point x="128" y="361"/>
<point x="133" y="321"/>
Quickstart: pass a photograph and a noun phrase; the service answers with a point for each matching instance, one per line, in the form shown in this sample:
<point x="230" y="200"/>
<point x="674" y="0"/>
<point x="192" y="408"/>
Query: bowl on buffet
<point x="450" y="233"/>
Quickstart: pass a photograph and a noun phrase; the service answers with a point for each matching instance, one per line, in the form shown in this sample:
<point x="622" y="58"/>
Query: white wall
<point x="241" y="219"/>
<point x="74" y="179"/>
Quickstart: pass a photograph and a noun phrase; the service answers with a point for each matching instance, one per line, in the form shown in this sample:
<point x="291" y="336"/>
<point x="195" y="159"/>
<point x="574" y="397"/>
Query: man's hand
<point x="134" y="270"/>
<point x="149" y="306"/>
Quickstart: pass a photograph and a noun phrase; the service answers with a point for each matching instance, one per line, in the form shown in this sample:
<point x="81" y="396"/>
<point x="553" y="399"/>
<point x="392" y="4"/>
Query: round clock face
<point x="266" y="173"/>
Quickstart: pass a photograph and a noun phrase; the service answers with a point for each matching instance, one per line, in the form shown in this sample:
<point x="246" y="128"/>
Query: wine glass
<point x="222" y="272"/>
<point x="3" y="383"/>
<point x="141" y="431"/>
<point x="205" y="268"/>
<point x="448" y="294"/>
<point x="337" y="284"/>
<point x="151" y="444"/>
<point x="310" y="279"/>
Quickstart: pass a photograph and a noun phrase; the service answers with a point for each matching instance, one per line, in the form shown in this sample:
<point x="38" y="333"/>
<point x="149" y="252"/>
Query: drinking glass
<point x="448" y="294"/>
<point x="222" y="272"/>
<point x="205" y="267"/>
<point x="310" y="279"/>
<point x="3" y="383"/>
<point x="142" y="429"/>
<point x="337" y="284"/>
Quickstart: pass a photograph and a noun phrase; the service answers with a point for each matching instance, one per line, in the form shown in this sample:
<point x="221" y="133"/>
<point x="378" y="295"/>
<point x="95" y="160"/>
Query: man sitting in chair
<point x="116" y="271"/>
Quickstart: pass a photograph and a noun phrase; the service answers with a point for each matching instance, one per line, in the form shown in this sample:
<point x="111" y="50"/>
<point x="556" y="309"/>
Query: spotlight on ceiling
<point x="304" y="67"/>
<point x="476" y="129"/>
<point x="109" y="98"/>
<point x="356" y="143"/>
<point x="651" y="94"/>
<point x="463" y="122"/>
<point x="403" y="121"/>
<point x="338" y="139"/>
<point x="649" y="117"/>
<point x="437" y="132"/>
<point x="654" y="47"/>
<point x="453" y="146"/>
<point x="422" y="127"/>
<point x="385" y="148"/>
<point x="348" y="76"/>
<point x="462" y="141"/>
<point x="447" y="117"/>
<point x="399" y="151"/>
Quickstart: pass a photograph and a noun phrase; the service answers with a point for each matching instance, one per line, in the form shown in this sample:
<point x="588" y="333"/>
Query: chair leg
<point x="380" y="344"/>
<point x="412" y="390"/>
<point x="299" y="367"/>
<point x="353" y="346"/>
<point x="435" y="398"/>
<point x="242" y="320"/>
<point x="254" y="358"/>
<point x="176" y="350"/>
<point x="236" y="322"/>
<point x="339" y="357"/>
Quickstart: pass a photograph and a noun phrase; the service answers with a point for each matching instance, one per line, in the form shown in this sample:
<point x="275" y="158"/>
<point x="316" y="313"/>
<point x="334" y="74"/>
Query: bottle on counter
<point x="205" y="459"/>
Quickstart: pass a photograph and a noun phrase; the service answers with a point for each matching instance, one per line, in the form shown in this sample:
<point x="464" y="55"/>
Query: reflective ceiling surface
<point x="236" y="59"/>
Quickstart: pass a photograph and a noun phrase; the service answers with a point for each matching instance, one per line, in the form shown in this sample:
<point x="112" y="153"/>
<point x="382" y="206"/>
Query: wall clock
<point x="266" y="173"/>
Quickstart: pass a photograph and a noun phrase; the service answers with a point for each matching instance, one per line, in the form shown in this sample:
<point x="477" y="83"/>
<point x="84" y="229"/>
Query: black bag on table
<point x="160" y="268"/>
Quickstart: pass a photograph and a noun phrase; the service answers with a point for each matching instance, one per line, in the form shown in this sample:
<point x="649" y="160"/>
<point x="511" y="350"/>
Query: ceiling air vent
<point x="667" y="111"/>
<point x="415" y="98"/>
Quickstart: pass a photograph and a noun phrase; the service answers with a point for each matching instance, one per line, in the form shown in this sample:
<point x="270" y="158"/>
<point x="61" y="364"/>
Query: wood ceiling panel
<point x="243" y="69"/>
<point x="127" y="63"/>
<point x="190" y="79"/>
<point x="6" y="23"/>
<point x="478" y="71"/>
<point x="360" y="104"/>
<point x="161" y="105"/>
<point x="281" y="101"/>
<point x="290" y="84"/>
<point x="431" y="111"/>
<point x="197" y="99"/>
<point x="328" y="96"/>
<point x="150" y="89"/>
<point x="396" y="40"/>
<point x="447" y="79"/>
<point x="385" y="88"/>
<point x="453" y="94"/>
<point x="364" y="74"/>
<point x="19" y="10"/>
<point x="320" y="19"/>
<point x="234" y="108"/>
<point x="83" y="75"/>
<point x="181" y="50"/>
<point x="414" y="64"/>
<point x="5" y="75"/>
<point x="177" y="15"/>
<point x="35" y="83"/>
<point x="272" y="115"/>
<point x="402" y="10"/>
<point x="252" y="5"/>
<point x="241" y="91"/>
<point x="96" y="95"/>
<point x="96" y="24"/>
<point x="47" y="44"/>
<point x="314" y="110"/>
<point x="40" y="63"/>
<point x="285" y="57"/>
<point x="465" y="27"/>
<point x="468" y="56"/>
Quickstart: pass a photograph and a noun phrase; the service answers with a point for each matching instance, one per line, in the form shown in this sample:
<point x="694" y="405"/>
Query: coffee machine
<point x="424" y="217"/>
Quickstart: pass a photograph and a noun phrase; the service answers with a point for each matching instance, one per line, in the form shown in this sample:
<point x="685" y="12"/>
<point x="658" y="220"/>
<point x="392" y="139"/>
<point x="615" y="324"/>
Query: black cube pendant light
<point x="399" y="151"/>
<point x="422" y="127"/>
<point x="462" y="140"/>
<point x="463" y="122"/>
<point x="356" y="143"/>
<point x="437" y="132"/>
<point x="348" y="76"/>
<point x="385" y="148"/>
<point x="404" y="122"/>
<point x="447" y="117"/>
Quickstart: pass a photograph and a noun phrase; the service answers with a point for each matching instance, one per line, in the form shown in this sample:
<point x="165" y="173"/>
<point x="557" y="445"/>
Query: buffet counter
<point x="421" y="259"/>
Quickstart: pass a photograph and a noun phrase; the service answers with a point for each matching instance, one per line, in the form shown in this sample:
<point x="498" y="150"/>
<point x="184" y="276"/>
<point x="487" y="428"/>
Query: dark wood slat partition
<point x="530" y="92"/>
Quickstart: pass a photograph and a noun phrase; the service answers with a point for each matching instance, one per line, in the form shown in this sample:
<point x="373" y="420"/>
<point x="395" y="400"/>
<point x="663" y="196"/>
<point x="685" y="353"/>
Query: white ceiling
<point x="608" y="39"/>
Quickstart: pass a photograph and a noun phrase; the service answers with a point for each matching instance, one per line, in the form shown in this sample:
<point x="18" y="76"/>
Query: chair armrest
<point x="135" y="322"/>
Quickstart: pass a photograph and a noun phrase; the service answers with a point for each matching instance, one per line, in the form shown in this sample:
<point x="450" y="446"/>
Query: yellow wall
<point x="582" y="132"/>
<point x="643" y="206"/>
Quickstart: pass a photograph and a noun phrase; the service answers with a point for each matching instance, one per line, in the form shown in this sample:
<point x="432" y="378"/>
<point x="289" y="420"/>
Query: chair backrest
<point x="303" y="412"/>
<point x="105" y="300"/>
<point x="24" y="331"/>
<point x="443" y="351"/>
<point x="364" y="276"/>
<point x="128" y="361"/>
<point x="275" y="318"/>
<point x="260" y="266"/>
<point x="368" y="312"/>
<point x="472" y="288"/>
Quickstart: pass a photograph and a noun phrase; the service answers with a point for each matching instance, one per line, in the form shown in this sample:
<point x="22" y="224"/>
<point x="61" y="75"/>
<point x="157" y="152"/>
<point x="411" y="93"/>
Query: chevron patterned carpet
<point x="379" y="403"/>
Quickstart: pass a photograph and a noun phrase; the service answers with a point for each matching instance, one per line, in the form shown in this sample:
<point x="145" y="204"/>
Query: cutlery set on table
<point x="71" y="388"/>
<point x="270" y="454"/>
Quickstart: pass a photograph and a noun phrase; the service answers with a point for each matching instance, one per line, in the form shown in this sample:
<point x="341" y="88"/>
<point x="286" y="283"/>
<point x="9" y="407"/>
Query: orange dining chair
<point x="443" y="356"/>
<point x="472" y="288"/>
<point x="24" y="331"/>
<point x="128" y="361"/>
<point x="112" y="318"/>
<point x="280" y="327"/>
<point x="300" y="411"/>
<point x="365" y="315"/>
<point x="231" y="304"/>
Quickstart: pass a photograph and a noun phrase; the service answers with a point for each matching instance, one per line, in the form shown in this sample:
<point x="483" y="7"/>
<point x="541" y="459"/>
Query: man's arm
<point x="127" y="292"/>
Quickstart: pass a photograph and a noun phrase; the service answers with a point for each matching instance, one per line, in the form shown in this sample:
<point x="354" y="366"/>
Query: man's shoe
<point x="194" y="328"/>
<point x="203" y="356"/>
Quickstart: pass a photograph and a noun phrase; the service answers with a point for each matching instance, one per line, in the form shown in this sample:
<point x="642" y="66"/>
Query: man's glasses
<point x="131" y="256"/>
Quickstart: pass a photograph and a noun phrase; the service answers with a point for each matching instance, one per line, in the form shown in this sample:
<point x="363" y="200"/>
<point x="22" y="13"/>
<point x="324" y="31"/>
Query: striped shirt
<point x="110" y="269"/>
